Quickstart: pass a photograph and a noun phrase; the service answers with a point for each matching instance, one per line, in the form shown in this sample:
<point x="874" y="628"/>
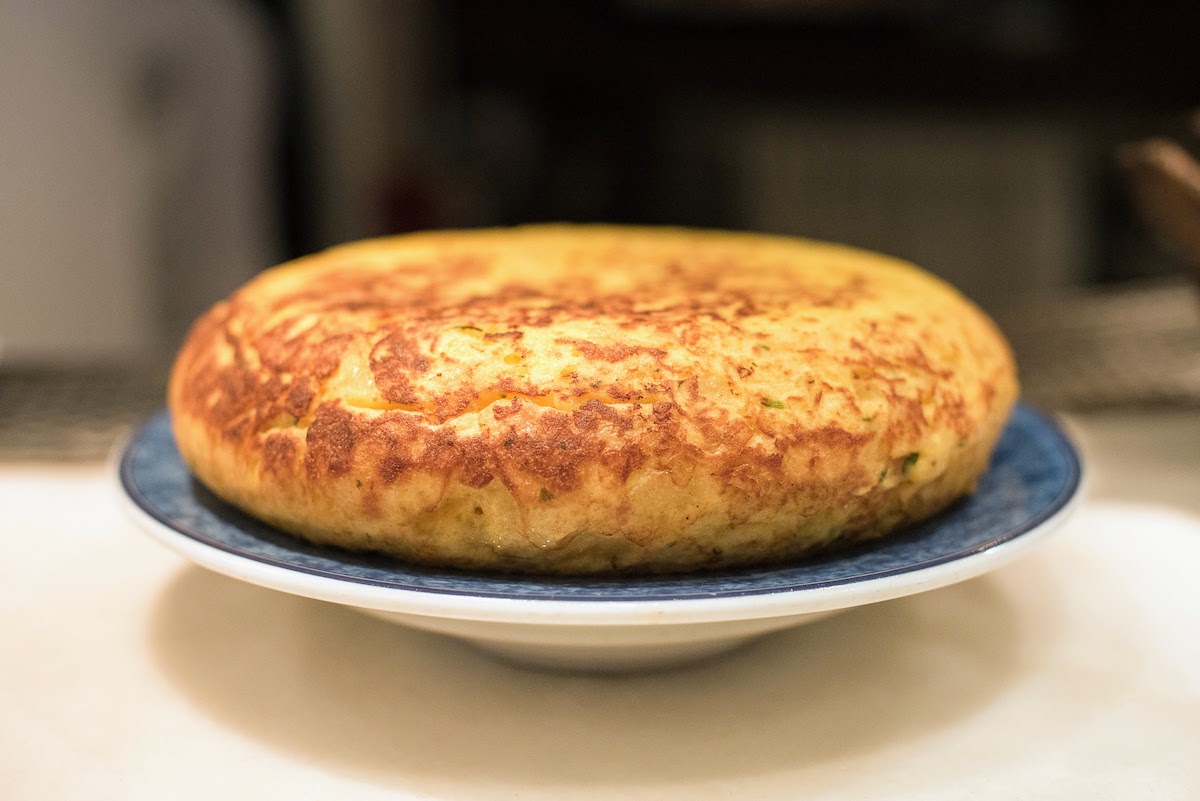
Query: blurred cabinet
<point x="999" y="208"/>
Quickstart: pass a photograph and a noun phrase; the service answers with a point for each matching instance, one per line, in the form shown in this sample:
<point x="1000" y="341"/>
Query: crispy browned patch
<point x="330" y="440"/>
<point x="279" y="453"/>
<point x="397" y="362"/>
<point x="616" y="352"/>
<point x="511" y="335"/>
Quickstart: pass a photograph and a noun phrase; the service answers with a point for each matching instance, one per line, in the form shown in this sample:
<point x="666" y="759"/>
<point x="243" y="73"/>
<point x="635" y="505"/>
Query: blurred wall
<point x="153" y="155"/>
<point x="136" y="148"/>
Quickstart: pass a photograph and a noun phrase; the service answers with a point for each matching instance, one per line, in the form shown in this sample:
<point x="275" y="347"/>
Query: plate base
<point x="603" y="649"/>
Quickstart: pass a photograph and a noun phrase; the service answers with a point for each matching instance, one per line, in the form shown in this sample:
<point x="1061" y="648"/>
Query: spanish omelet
<point x="591" y="399"/>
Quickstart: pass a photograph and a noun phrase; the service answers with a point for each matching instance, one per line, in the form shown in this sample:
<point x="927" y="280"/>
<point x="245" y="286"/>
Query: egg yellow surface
<point x="591" y="399"/>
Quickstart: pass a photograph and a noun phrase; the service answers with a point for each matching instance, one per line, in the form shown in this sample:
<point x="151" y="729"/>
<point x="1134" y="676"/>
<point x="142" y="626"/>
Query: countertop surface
<point x="1074" y="673"/>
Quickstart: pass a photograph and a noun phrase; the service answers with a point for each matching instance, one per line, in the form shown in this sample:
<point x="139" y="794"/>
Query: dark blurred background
<point x="154" y="155"/>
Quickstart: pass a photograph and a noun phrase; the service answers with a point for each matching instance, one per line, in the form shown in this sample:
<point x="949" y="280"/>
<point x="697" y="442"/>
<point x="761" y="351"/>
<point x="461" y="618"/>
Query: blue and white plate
<point x="627" y="622"/>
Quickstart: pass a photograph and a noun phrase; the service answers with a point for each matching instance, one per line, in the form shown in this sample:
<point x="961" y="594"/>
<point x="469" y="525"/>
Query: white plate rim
<point x="784" y="603"/>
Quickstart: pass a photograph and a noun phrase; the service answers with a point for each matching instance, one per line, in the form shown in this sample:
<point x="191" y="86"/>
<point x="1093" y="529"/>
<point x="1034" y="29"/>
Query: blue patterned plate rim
<point x="1034" y="474"/>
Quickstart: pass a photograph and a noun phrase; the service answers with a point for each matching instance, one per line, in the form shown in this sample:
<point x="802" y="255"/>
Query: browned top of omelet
<point x="529" y="352"/>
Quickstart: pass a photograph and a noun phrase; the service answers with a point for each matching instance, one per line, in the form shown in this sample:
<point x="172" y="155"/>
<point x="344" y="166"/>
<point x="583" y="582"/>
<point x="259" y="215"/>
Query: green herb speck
<point x="869" y="418"/>
<point x="358" y="483"/>
<point x="467" y="328"/>
<point x="910" y="460"/>
<point x="508" y="443"/>
<point x="545" y="495"/>
<point x="882" y="476"/>
<point x="771" y="403"/>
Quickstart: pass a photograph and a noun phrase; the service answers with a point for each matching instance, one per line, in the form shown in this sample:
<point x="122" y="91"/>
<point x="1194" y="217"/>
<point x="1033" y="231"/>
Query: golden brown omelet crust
<point x="584" y="399"/>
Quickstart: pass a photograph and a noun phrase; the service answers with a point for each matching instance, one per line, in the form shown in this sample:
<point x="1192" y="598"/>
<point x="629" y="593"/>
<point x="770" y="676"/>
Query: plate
<point x="623" y="623"/>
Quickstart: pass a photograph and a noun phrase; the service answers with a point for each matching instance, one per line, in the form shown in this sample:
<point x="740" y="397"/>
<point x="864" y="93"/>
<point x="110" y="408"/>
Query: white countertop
<point x="1075" y="673"/>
